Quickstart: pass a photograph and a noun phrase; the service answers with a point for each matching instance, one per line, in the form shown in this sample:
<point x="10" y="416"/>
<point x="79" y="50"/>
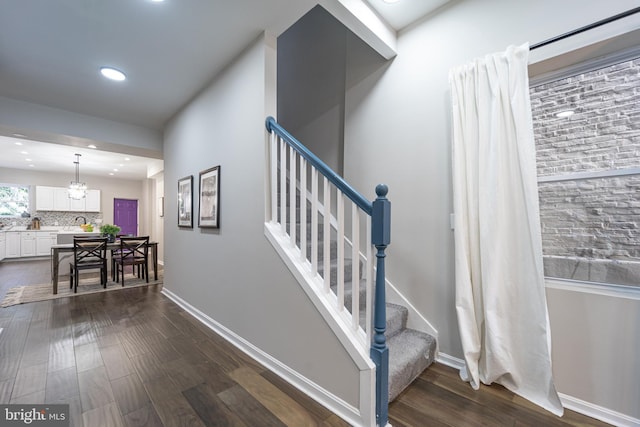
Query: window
<point x="14" y="200"/>
<point x="589" y="173"/>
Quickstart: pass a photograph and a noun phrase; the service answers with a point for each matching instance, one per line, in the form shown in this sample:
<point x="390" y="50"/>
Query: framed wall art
<point x="185" y="202"/>
<point x="209" y="200"/>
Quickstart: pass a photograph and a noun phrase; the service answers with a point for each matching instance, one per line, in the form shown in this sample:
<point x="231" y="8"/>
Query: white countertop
<point x="49" y="229"/>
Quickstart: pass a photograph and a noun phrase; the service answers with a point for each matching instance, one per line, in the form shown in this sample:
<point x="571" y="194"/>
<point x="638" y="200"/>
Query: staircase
<point x="410" y="351"/>
<point x="315" y="221"/>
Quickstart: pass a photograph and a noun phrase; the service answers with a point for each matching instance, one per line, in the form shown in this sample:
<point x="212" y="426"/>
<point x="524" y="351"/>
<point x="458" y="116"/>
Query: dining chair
<point x="134" y="252"/>
<point x="115" y="254"/>
<point x="88" y="254"/>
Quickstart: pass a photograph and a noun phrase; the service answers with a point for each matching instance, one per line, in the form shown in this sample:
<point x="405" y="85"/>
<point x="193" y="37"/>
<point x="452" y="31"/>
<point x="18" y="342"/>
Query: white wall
<point x="398" y="132"/>
<point x="233" y="274"/>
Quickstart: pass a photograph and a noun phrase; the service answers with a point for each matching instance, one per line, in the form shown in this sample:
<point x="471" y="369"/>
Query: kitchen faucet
<point x="81" y="217"/>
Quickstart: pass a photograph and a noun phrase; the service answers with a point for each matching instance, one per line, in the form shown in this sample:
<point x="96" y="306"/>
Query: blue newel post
<point x="381" y="237"/>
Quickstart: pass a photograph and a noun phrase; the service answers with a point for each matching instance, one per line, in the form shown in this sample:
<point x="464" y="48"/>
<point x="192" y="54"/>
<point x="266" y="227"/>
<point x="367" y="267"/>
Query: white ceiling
<point x="51" y="52"/>
<point x="405" y="12"/>
<point x="45" y="157"/>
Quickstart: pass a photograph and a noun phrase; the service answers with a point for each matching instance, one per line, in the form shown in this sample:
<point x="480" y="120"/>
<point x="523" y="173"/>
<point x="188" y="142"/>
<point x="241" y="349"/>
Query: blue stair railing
<point x="283" y="164"/>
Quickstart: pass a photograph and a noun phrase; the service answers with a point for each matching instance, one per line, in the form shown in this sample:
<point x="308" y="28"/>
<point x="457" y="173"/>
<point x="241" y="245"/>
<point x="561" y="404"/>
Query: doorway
<point x="125" y="215"/>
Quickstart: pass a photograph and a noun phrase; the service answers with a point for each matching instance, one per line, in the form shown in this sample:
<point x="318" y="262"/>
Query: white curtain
<point x="500" y="295"/>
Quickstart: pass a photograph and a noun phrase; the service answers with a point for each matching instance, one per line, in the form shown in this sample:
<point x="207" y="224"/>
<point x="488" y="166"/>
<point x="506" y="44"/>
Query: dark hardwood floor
<point x="134" y="358"/>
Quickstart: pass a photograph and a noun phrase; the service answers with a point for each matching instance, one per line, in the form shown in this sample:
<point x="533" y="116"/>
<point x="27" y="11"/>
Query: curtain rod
<point x="585" y="28"/>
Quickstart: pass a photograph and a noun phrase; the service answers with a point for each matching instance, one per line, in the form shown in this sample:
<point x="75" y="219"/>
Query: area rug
<point x="44" y="291"/>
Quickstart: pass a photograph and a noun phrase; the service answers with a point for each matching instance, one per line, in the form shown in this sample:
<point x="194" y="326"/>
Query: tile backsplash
<point x="50" y="218"/>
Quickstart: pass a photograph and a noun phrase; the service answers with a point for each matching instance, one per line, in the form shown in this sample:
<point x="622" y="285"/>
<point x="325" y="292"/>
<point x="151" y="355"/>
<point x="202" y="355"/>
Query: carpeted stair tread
<point x="333" y="271"/>
<point x="396" y="319"/>
<point x="410" y="353"/>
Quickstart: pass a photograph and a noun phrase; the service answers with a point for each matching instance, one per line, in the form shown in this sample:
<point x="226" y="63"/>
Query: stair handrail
<point x="357" y="198"/>
<point x="380" y="212"/>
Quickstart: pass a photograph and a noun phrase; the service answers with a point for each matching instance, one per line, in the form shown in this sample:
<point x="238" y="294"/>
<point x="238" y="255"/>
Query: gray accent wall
<point x="232" y="274"/>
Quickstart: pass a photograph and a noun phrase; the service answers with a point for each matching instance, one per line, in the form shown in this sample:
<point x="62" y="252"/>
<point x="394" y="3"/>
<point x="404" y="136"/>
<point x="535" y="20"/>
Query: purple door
<point x="125" y="215"/>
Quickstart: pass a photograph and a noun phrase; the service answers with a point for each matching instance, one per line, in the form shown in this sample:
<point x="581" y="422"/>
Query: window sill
<point x="604" y="289"/>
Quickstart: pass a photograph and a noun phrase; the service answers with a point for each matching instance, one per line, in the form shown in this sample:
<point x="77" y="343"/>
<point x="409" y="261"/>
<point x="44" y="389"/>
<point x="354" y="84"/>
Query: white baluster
<point x="355" y="270"/>
<point x="369" y="284"/>
<point x="340" y="240"/>
<point x="274" y="176"/>
<point x="283" y="187"/>
<point x="292" y="195"/>
<point x="303" y="209"/>
<point x="314" y="221"/>
<point x="326" y="246"/>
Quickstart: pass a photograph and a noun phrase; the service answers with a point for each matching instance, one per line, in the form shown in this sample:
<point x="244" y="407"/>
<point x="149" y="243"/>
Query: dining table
<point x="59" y="249"/>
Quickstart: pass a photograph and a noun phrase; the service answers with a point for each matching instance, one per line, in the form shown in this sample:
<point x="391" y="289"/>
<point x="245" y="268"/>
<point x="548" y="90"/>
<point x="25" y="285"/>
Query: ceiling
<point x="405" y="12"/>
<point x="20" y="153"/>
<point x="51" y="52"/>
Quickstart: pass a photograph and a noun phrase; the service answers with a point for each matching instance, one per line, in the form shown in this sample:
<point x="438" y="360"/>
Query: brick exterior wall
<point x="590" y="226"/>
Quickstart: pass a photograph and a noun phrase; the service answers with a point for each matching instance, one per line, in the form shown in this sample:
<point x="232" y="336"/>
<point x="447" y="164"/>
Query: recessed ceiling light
<point x="28" y="160"/>
<point x="91" y="146"/>
<point x="110" y="173"/>
<point x="31" y="165"/>
<point x="115" y="170"/>
<point x="18" y="143"/>
<point x="566" y="113"/>
<point x="113" y="74"/>
<point x="23" y="152"/>
<point x="18" y="135"/>
<point x="127" y="159"/>
<point x="391" y="1"/>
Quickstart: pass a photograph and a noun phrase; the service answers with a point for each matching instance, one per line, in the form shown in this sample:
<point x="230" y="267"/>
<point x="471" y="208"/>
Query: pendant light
<point x="77" y="189"/>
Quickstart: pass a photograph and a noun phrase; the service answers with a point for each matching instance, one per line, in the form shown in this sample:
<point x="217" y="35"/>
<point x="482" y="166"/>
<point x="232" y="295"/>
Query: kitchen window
<point x="587" y="132"/>
<point x="14" y="200"/>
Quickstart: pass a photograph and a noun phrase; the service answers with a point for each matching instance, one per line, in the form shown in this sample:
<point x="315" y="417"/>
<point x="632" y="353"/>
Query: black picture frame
<point x="209" y="198"/>
<point x="185" y="202"/>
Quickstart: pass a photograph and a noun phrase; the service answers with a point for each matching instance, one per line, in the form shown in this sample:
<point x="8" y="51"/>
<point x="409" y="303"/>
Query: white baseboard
<point x="450" y="361"/>
<point x="598" y="412"/>
<point x="569" y="402"/>
<point x="311" y="389"/>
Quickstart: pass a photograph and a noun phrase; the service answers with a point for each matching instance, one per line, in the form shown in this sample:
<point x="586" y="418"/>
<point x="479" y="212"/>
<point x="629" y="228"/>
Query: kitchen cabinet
<point x="12" y="242"/>
<point x="92" y="201"/>
<point x="77" y="205"/>
<point x="28" y="243"/>
<point x="3" y="247"/>
<point x="44" y="240"/>
<point x="57" y="199"/>
<point x="60" y="199"/>
<point x="44" y="198"/>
